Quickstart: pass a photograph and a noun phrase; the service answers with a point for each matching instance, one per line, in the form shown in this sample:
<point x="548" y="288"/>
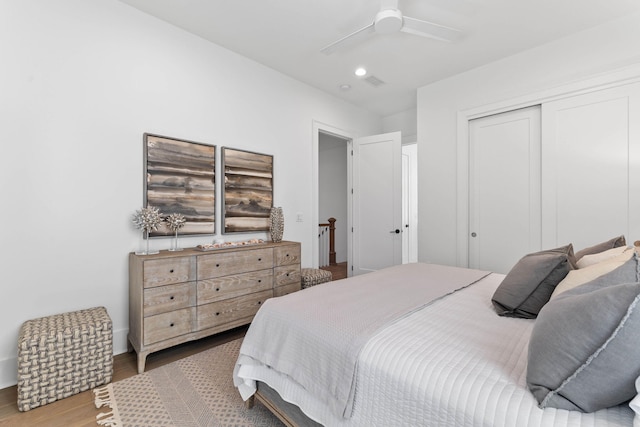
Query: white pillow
<point x="583" y="275"/>
<point x="588" y="260"/>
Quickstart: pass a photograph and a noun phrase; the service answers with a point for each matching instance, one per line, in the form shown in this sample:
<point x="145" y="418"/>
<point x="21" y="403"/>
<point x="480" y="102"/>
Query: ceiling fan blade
<point x="352" y="38"/>
<point x="429" y="29"/>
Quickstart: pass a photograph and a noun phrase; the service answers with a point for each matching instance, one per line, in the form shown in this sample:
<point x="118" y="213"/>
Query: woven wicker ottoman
<point x="314" y="276"/>
<point x="64" y="354"/>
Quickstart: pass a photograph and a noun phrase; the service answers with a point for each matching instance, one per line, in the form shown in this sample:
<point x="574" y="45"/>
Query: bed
<point x="447" y="360"/>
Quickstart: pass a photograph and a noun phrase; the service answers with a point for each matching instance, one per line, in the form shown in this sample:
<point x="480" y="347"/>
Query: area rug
<point x="191" y="392"/>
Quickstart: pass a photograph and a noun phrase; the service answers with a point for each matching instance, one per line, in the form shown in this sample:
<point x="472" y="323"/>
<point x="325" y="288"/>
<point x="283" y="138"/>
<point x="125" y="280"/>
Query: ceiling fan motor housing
<point x="388" y="21"/>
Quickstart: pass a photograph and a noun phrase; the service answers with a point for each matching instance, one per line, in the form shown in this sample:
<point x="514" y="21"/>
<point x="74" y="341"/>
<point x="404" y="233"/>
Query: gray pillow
<point x="601" y="247"/>
<point x="530" y="283"/>
<point x="584" y="350"/>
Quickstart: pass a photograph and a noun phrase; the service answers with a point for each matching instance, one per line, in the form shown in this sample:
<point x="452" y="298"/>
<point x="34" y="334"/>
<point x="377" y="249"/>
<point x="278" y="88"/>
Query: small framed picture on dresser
<point x="180" y="178"/>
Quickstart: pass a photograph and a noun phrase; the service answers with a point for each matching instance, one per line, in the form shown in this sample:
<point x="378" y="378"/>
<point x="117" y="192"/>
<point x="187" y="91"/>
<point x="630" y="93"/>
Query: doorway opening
<point x="333" y="203"/>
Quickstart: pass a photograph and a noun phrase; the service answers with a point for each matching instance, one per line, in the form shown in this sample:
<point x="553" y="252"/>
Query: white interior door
<point x="591" y="167"/>
<point x="377" y="202"/>
<point x="504" y="188"/>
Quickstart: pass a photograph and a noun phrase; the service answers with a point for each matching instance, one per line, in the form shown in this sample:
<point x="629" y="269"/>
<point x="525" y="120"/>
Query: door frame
<point x="315" y="182"/>
<point x="410" y="176"/>
<point x="615" y="78"/>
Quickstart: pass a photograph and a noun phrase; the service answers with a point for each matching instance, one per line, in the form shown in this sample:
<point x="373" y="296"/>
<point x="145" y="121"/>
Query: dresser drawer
<point x="167" y="298"/>
<point x="286" y="289"/>
<point x="158" y="272"/>
<point x="231" y="310"/>
<point x="287" y="274"/>
<point x="211" y="290"/>
<point x="225" y="264"/>
<point x="168" y="325"/>
<point x="286" y="255"/>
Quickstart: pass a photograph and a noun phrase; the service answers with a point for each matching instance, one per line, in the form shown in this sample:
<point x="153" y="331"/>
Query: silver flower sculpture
<point x="175" y="221"/>
<point x="147" y="219"/>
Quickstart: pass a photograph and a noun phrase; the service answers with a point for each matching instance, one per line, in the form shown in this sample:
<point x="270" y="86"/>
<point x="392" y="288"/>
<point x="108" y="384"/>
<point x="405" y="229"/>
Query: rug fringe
<point x="104" y="397"/>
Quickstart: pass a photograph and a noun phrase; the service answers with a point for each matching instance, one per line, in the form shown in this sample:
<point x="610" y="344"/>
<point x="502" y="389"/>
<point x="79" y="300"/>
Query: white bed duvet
<point x="453" y="363"/>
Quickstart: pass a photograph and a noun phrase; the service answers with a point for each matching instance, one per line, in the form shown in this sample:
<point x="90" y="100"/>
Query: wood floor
<point x="79" y="410"/>
<point x="338" y="271"/>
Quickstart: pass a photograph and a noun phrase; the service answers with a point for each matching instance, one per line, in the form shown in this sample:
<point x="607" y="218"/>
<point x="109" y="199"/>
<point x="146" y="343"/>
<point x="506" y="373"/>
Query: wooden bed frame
<point x="288" y="413"/>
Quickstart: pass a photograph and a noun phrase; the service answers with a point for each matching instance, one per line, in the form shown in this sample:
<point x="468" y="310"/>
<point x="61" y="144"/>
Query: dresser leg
<point x="142" y="359"/>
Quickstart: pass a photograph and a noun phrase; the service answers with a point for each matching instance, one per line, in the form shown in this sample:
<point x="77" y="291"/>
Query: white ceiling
<point x="287" y="35"/>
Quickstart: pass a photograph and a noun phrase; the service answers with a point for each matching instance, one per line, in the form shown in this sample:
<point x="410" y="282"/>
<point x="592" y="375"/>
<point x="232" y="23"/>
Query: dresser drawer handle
<point x="259" y="302"/>
<point x="218" y="313"/>
<point x="259" y="259"/>
<point x="171" y="324"/>
<point x="171" y="297"/>
<point x="287" y="255"/>
<point x="217" y="289"/>
<point x="287" y="274"/>
<point x="217" y="265"/>
<point x="259" y="280"/>
<point x="171" y="271"/>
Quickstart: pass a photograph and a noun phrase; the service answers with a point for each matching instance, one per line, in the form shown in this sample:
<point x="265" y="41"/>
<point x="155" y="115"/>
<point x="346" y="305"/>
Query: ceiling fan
<point x="390" y="20"/>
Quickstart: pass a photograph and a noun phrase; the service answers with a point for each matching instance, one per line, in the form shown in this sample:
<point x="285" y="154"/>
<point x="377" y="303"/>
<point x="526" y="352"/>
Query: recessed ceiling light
<point x="344" y="87"/>
<point x="360" y="72"/>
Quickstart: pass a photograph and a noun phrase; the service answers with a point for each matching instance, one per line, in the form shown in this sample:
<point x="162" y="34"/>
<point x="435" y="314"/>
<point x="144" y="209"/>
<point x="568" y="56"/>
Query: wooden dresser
<point x="182" y="296"/>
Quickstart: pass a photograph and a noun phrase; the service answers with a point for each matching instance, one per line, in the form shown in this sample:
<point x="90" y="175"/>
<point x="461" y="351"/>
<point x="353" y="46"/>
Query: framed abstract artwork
<point x="248" y="191"/>
<point x="179" y="177"/>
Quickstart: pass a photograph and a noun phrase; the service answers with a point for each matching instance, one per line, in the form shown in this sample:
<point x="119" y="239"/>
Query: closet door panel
<point x="504" y="188"/>
<point x="590" y="167"/>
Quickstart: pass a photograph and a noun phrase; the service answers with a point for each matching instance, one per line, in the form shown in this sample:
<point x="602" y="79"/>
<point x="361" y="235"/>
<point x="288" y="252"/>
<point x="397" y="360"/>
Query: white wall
<point x="591" y="54"/>
<point x="80" y="83"/>
<point x="332" y="195"/>
<point x="404" y="121"/>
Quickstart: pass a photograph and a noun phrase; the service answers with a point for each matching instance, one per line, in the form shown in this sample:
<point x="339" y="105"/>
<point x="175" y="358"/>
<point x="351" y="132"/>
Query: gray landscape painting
<point x="248" y="190"/>
<point x="180" y="178"/>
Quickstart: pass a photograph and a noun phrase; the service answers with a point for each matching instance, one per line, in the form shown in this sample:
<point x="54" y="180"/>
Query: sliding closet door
<point x="504" y="188"/>
<point x="590" y="167"/>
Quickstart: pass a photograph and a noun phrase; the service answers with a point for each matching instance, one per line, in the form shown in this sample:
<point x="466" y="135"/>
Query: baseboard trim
<point x="8" y="372"/>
